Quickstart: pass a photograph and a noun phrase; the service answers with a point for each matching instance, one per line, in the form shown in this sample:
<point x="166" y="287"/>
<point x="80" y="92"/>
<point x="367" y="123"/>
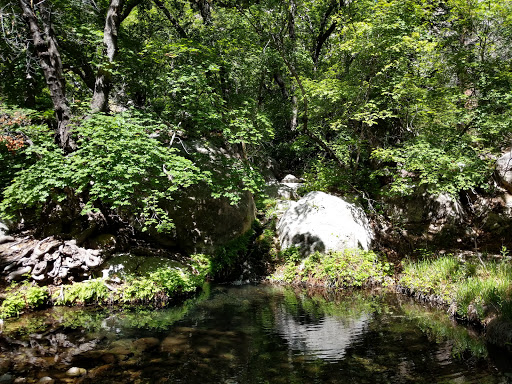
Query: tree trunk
<point x="103" y="84"/>
<point x="47" y="50"/>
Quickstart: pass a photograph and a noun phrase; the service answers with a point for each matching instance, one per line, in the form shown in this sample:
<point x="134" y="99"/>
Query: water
<point x="252" y="334"/>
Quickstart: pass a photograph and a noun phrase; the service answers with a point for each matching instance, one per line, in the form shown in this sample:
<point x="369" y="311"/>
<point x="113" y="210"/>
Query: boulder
<point x="504" y="170"/>
<point x="121" y="265"/>
<point x="3" y="229"/>
<point x="202" y="222"/>
<point x="287" y="189"/>
<point x="322" y="222"/>
<point x="422" y="212"/>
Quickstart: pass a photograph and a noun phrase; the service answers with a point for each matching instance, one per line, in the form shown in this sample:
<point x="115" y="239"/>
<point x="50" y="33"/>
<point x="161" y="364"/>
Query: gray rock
<point x="290" y="179"/>
<point x="322" y="222"/>
<point x="204" y="223"/>
<point x="504" y="170"/>
<point x="121" y="265"/>
<point x="287" y="189"/>
<point x="3" y="229"/>
<point x="6" y="239"/>
<point x="425" y="211"/>
<point x="6" y="378"/>
<point x="46" y="380"/>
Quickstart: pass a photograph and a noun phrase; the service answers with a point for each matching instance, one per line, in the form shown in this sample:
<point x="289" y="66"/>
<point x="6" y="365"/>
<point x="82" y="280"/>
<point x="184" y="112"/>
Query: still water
<point x="251" y="334"/>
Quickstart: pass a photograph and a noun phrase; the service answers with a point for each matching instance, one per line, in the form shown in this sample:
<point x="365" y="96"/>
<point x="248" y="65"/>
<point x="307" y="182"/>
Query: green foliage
<point x="441" y="167"/>
<point x="23" y="297"/>
<point x="350" y="268"/>
<point x="156" y="288"/>
<point x="478" y="290"/>
<point x="290" y="254"/>
<point x="87" y="292"/>
<point x="117" y="165"/>
<point x="227" y="255"/>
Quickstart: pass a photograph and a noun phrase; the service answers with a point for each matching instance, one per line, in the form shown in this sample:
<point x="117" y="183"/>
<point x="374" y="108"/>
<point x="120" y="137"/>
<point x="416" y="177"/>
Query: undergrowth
<point x="349" y="268"/>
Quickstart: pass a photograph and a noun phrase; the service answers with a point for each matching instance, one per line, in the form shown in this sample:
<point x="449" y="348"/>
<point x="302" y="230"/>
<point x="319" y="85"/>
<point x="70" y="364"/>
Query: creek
<point x="251" y="334"/>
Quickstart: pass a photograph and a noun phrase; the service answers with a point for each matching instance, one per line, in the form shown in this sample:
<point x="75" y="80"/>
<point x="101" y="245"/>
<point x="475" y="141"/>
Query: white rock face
<point x="322" y="222"/>
<point x="504" y="169"/>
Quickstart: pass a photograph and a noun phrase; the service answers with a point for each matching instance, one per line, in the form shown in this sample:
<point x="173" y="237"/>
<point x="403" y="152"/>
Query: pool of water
<point x="251" y="334"/>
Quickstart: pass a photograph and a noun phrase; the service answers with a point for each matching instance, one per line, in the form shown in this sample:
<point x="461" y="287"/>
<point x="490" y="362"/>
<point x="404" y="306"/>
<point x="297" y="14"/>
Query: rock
<point x="504" y="170"/>
<point x="204" y="223"/>
<point x="3" y="229"/>
<point x="174" y="344"/>
<point x="6" y="239"/>
<point x="103" y="241"/>
<point x="46" y="380"/>
<point x="6" y="378"/>
<point x="48" y="260"/>
<point x="287" y="189"/>
<point x="18" y="273"/>
<point x="499" y="332"/>
<point x="75" y="372"/>
<point x="145" y="343"/>
<point x="127" y="264"/>
<point x="290" y="179"/>
<point x="322" y="222"/>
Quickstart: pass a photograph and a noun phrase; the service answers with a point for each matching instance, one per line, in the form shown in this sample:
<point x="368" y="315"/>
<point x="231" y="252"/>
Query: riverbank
<point x="470" y="289"/>
<point x="155" y="289"/>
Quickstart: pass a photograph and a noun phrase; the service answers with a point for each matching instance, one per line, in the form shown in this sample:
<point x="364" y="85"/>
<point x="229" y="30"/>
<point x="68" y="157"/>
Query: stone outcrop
<point x="504" y="170"/>
<point x="47" y="261"/>
<point x="322" y="222"/>
<point x="202" y="222"/>
<point x="287" y="189"/>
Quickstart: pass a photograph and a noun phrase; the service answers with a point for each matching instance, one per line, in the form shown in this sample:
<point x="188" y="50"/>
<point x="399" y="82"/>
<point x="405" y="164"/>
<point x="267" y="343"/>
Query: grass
<point x="349" y="268"/>
<point x="475" y="290"/>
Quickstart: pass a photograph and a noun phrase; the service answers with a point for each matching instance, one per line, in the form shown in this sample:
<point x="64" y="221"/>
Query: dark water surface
<point x="251" y="334"/>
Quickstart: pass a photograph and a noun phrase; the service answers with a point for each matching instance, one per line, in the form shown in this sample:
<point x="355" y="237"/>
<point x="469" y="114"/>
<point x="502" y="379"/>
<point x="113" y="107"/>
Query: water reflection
<point x="251" y="334"/>
<point x="327" y="339"/>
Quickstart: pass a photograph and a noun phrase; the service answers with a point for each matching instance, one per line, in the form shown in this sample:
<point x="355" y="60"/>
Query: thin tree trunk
<point x="47" y="50"/>
<point x="171" y="18"/>
<point x="103" y="84"/>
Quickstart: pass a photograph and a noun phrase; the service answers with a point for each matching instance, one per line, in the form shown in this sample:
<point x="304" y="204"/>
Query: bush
<point x="117" y="165"/>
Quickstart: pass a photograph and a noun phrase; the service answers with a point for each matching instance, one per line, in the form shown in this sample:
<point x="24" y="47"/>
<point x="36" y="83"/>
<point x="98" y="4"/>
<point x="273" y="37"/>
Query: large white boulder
<point x="322" y="222"/>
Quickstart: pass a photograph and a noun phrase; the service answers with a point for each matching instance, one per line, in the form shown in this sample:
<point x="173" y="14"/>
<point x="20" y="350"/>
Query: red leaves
<point x="12" y="143"/>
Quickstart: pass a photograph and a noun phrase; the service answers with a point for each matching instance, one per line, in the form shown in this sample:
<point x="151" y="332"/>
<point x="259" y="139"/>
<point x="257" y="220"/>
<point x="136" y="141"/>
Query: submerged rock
<point x="322" y="222"/>
<point x="75" y="372"/>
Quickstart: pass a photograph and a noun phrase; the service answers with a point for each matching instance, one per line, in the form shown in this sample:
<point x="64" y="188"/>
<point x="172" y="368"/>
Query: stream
<point x="251" y="334"/>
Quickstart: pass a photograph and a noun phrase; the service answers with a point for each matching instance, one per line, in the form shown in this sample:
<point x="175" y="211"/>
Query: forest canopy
<point x="372" y="97"/>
